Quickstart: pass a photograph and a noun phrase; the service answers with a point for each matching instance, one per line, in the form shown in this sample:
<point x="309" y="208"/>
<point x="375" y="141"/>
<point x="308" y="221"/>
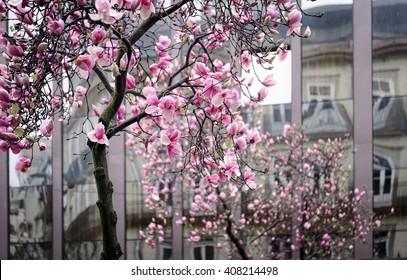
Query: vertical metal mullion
<point x="296" y="81"/>
<point x="4" y="206"/>
<point x="363" y="118"/>
<point x="57" y="189"/>
<point x="4" y="192"/>
<point x="296" y="103"/>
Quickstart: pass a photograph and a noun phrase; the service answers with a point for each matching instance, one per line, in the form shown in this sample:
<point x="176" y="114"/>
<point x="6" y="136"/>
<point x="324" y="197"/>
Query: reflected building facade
<point x="329" y="104"/>
<point x="348" y="78"/>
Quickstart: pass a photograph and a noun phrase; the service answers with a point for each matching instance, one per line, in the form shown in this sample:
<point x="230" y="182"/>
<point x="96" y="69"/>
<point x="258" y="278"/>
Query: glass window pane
<point x="390" y="127"/>
<point x="86" y="250"/>
<point x="31" y="251"/>
<point x="327" y="62"/>
<point x="197" y="253"/>
<point x="209" y="252"/>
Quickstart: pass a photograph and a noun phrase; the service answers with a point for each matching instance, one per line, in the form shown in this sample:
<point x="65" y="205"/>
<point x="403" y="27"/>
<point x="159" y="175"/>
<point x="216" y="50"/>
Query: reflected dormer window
<point x="320" y="91"/>
<point x="383" y="87"/>
<point x="383" y="180"/>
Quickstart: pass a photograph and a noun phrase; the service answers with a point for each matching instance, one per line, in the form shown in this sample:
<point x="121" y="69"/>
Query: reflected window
<point x="275" y="117"/>
<point x="383" y="87"/>
<point x="383" y="180"/>
<point x="381" y="248"/>
<point x="166" y="250"/>
<point x="277" y="114"/>
<point x="204" y="251"/>
<point x="320" y="91"/>
<point x="383" y="91"/>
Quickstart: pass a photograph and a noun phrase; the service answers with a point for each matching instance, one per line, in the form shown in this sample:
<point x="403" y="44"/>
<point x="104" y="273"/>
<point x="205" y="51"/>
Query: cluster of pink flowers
<point x="184" y="114"/>
<point x="72" y="41"/>
<point x="303" y="195"/>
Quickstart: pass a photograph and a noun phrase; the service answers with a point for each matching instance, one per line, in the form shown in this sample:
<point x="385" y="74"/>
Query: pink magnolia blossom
<point x="172" y="143"/>
<point x="97" y="35"/>
<point x="4" y="97"/>
<point x="272" y="13"/>
<point x="162" y="46"/>
<point x="13" y="50"/>
<point x="294" y="22"/>
<point x="152" y="99"/>
<point x="99" y="55"/>
<point x="42" y="147"/>
<point x="96" y="110"/>
<point x="248" y="175"/>
<point x="47" y="127"/>
<point x="81" y="3"/>
<point x="245" y="60"/>
<point x="269" y="81"/>
<point x="80" y="92"/>
<point x="130" y="81"/>
<point x="98" y="135"/>
<point x="201" y="69"/>
<point x="262" y="94"/>
<point x="3" y="146"/>
<point x="123" y="62"/>
<point x="85" y="64"/>
<point x="212" y="179"/>
<point x="232" y="129"/>
<point x="10" y="137"/>
<point x="241" y="143"/>
<point x="147" y="7"/>
<point x="212" y="87"/>
<point x="230" y="167"/>
<point x="105" y="13"/>
<point x="56" y="26"/>
<point x="23" y="164"/>
<point x="282" y="54"/>
<point x="167" y="106"/>
<point x="121" y="112"/>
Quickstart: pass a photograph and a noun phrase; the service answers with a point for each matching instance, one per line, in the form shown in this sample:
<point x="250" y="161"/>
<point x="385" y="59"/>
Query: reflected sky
<point x="306" y="4"/>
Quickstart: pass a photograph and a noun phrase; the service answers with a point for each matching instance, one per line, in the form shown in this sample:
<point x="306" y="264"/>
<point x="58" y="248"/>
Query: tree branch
<point x="148" y="23"/>
<point x="103" y="79"/>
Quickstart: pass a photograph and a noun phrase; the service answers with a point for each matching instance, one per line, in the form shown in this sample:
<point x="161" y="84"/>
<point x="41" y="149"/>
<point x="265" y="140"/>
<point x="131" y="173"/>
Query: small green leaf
<point x="19" y="131"/>
<point x="15" y="109"/>
<point x="228" y="142"/>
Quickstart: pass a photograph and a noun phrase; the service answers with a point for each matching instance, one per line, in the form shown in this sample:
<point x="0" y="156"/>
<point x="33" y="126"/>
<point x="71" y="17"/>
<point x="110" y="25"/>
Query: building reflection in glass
<point x="390" y="127"/>
<point x="327" y="58"/>
<point x="82" y="232"/>
<point x="30" y="207"/>
<point x="81" y="222"/>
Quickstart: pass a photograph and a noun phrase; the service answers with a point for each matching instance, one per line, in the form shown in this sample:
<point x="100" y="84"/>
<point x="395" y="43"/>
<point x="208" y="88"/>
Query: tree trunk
<point x="240" y="249"/>
<point x="108" y="217"/>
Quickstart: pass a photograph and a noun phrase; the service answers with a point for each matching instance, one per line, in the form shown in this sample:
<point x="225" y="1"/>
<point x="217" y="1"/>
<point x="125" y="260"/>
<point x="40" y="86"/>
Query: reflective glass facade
<point x="81" y="224"/>
<point x="389" y="93"/>
<point x="30" y="207"/>
<point x="349" y="77"/>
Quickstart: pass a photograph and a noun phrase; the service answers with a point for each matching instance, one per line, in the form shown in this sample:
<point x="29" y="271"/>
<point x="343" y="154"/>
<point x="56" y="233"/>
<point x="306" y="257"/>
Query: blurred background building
<point x="349" y="77"/>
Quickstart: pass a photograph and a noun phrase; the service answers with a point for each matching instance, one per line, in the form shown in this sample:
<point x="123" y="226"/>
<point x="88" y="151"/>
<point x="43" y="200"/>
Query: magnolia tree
<point x="180" y="87"/>
<point x="301" y="202"/>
